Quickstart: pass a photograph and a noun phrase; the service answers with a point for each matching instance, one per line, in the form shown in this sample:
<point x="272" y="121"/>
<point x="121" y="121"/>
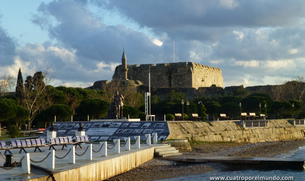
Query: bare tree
<point x="6" y="84"/>
<point x="34" y="95"/>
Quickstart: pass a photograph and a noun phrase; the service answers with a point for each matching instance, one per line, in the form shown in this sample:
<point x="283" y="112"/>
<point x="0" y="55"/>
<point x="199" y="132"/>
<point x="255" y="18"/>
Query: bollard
<point x="51" y="159"/>
<point x="117" y="147"/>
<point x="25" y="164"/>
<point x="148" y="139"/>
<point x="104" y="149"/>
<point x="138" y="141"/>
<point x="71" y="155"/>
<point x="89" y="152"/>
<point x="155" y="138"/>
<point x="8" y="159"/>
<point x="127" y="145"/>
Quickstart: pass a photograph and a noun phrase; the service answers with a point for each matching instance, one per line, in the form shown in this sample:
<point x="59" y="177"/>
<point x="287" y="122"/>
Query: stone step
<point x="167" y="152"/>
<point x="164" y="149"/>
<point x="172" y="154"/>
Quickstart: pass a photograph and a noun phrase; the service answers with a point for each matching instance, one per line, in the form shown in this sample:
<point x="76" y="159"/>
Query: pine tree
<point x="19" y="87"/>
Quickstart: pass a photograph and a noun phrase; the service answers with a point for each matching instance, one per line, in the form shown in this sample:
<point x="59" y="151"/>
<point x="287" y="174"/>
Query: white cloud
<point x="293" y="51"/>
<point x="228" y="4"/>
<point x="252" y="63"/>
<point x="279" y="64"/>
<point x="157" y="42"/>
<point x="239" y="35"/>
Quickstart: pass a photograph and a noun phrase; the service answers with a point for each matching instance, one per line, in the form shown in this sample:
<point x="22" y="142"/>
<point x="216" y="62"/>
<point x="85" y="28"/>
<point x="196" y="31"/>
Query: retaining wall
<point x="229" y="131"/>
<point x="101" y="170"/>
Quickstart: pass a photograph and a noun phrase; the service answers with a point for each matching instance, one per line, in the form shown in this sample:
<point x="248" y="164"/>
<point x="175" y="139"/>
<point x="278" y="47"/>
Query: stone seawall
<point x="229" y="131"/>
<point x="101" y="170"/>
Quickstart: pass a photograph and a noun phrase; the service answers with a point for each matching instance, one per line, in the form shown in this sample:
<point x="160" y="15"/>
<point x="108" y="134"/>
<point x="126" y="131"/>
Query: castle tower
<point x="124" y="66"/>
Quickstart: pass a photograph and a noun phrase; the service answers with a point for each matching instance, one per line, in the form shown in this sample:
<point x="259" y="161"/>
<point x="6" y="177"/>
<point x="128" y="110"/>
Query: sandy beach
<point x="157" y="169"/>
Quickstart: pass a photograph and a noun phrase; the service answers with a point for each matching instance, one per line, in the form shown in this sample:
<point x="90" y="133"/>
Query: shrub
<point x="170" y="117"/>
<point x="13" y="131"/>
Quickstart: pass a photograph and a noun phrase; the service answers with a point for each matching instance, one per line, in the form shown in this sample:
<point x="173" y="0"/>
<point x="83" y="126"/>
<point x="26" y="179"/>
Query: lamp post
<point x="199" y="110"/>
<point x="182" y="103"/>
<point x="292" y="110"/>
<point x="240" y="110"/>
<point x="187" y="107"/>
<point x="260" y="108"/>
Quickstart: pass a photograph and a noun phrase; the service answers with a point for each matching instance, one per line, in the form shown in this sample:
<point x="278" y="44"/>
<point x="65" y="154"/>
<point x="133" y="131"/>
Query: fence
<point x="51" y="156"/>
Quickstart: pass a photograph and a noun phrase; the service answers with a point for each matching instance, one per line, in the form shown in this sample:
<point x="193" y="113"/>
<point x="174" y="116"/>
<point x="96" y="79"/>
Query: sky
<point x="78" y="42"/>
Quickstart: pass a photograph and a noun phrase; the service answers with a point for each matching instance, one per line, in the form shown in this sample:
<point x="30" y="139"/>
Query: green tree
<point x="130" y="111"/>
<point x="213" y="108"/>
<point x="19" y="87"/>
<point x="8" y="109"/>
<point x="61" y="111"/>
<point x="203" y="113"/>
<point x="73" y="97"/>
<point x="22" y="115"/>
<point x="176" y="97"/>
<point x="281" y="109"/>
<point x="241" y="92"/>
<point x="231" y="109"/>
<point x="95" y="108"/>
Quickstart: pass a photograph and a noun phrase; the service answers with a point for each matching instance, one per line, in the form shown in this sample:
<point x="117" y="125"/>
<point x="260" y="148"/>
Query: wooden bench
<point x="5" y="147"/>
<point x="244" y="116"/>
<point x="223" y="116"/>
<point x="81" y="139"/>
<point x="195" y="117"/>
<point x="178" y="116"/>
<point x="263" y="116"/>
<point x="252" y="116"/>
<point x="28" y="143"/>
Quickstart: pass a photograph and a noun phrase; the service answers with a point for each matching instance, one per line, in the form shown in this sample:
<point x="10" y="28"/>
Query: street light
<point x="182" y="103"/>
<point x="292" y="109"/>
<point x="240" y="110"/>
<point x="187" y="107"/>
<point x="260" y="108"/>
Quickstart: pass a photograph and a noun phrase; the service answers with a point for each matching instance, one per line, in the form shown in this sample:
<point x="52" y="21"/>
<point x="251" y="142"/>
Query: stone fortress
<point x="191" y="79"/>
<point x="167" y="75"/>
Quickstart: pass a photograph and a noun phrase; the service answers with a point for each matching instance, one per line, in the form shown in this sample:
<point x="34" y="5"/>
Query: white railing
<point x="88" y="153"/>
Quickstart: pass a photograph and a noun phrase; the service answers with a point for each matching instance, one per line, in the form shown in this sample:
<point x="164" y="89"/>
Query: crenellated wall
<point x="173" y="75"/>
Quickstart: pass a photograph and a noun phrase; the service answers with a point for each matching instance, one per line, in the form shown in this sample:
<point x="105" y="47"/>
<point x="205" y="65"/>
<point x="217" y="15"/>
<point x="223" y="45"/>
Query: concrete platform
<point x="63" y="170"/>
<point x="246" y="162"/>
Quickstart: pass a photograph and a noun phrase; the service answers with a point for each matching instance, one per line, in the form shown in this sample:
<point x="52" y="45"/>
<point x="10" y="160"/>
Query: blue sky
<point x="81" y="41"/>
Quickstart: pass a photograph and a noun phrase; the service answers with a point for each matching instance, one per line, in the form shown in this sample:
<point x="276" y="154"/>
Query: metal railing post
<point x="127" y="143"/>
<point x="117" y="147"/>
<point x="89" y="152"/>
<point x="138" y="141"/>
<point x="104" y="149"/>
<point x="51" y="159"/>
<point x="25" y="164"/>
<point x="71" y="155"/>
<point x="148" y="139"/>
<point x="155" y="138"/>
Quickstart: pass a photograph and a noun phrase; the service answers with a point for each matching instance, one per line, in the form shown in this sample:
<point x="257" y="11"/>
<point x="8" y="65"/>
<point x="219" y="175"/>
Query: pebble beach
<point x="157" y="169"/>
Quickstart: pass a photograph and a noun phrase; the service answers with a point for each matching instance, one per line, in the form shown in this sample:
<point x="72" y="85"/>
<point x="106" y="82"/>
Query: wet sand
<point x="157" y="169"/>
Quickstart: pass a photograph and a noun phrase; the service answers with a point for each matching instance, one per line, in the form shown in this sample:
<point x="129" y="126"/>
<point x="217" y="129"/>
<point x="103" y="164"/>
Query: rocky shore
<point x="157" y="169"/>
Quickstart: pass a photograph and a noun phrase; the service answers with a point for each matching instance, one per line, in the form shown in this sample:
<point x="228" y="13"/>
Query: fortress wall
<point x="173" y="75"/>
<point x="205" y="76"/>
<point x="228" y="131"/>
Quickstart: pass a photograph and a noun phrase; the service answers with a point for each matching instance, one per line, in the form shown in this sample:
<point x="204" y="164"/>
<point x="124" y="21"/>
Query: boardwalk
<point x="60" y="164"/>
